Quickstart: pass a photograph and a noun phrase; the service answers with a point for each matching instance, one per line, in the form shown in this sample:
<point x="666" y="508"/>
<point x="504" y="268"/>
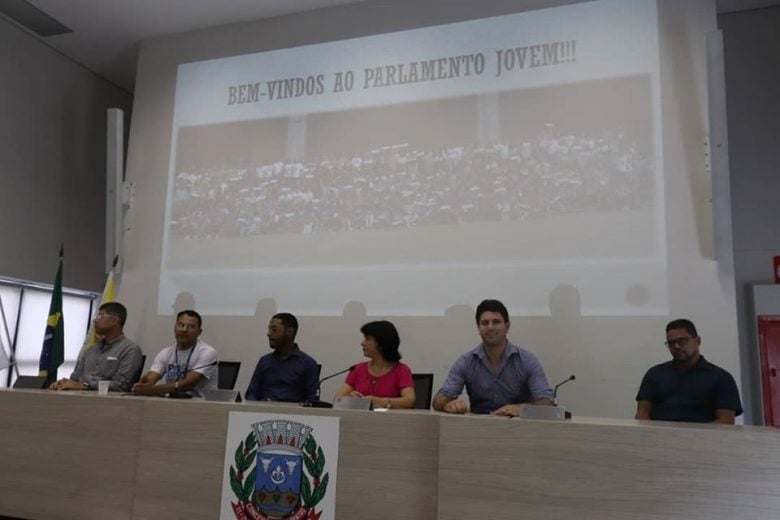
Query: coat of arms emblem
<point x="278" y="473"/>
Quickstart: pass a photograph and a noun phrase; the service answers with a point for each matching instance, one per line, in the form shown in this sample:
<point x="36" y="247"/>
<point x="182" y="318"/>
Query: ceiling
<point x="106" y="33"/>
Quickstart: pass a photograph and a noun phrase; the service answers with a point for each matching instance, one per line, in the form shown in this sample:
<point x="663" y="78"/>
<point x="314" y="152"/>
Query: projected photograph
<point x="558" y="172"/>
<point x="412" y="170"/>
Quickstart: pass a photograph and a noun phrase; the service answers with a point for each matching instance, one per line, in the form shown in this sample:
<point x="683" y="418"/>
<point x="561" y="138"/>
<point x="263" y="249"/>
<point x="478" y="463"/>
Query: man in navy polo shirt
<point x="687" y="388"/>
<point x="287" y="373"/>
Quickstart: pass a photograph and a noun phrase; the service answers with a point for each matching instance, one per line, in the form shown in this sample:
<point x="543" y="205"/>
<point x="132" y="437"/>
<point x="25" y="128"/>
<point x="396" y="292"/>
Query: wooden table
<point x="79" y="455"/>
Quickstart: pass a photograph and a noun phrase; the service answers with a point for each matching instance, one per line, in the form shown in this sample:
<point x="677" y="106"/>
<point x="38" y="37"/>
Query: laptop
<point x="222" y="396"/>
<point x="33" y="382"/>
<point x="352" y="403"/>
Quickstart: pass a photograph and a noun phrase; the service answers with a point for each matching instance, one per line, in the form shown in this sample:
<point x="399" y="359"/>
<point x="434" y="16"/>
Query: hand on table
<point x="456" y="406"/>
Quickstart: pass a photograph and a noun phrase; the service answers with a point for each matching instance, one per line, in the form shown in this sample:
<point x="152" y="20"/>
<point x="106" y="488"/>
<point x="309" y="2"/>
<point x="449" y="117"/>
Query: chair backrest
<point x="423" y="390"/>
<point x="140" y="372"/>
<point x="227" y="373"/>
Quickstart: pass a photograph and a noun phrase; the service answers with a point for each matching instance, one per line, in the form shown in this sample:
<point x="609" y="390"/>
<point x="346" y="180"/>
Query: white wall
<point x="609" y="355"/>
<point x="52" y="162"/>
<point x="752" y="54"/>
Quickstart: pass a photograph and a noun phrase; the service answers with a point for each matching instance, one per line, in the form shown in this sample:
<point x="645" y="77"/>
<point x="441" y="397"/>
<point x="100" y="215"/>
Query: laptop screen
<point x="220" y="395"/>
<point x="352" y="403"/>
<point x="35" y="382"/>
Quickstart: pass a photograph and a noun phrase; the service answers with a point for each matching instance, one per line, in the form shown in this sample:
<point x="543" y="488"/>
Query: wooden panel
<point x="180" y="460"/>
<point x="388" y="465"/>
<point x="501" y="469"/>
<point x="67" y="455"/>
<point x="390" y="457"/>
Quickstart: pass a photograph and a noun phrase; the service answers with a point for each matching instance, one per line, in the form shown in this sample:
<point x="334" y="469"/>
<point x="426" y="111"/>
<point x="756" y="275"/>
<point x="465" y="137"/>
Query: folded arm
<point x="148" y="384"/>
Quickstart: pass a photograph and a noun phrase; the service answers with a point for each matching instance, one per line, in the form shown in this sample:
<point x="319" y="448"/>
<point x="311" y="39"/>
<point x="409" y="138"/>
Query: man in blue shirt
<point x="687" y="388"/>
<point x="287" y="373"/>
<point x="499" y="377"/>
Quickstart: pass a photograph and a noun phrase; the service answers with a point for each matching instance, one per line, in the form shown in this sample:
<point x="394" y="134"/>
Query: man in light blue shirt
<point x="499" y="377"/>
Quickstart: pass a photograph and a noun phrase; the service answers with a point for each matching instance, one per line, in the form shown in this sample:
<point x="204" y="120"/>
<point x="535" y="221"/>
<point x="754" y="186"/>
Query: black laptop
<point x="35" y="382"/>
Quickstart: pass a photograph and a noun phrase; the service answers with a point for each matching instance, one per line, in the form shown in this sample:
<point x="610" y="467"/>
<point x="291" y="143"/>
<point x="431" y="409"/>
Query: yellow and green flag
<point x="53" y="349"/>
<point x="109" y="295"/>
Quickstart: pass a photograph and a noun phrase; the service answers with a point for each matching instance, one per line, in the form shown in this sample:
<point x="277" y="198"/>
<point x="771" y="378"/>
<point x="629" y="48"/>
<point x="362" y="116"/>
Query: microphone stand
<point x="319" y="403"/>
<point x="555" y="391"/>
<point x="567" y="414"/>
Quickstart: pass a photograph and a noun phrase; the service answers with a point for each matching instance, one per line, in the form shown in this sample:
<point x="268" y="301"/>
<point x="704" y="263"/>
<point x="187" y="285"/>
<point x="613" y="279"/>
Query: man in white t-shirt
<point x="189" y="366"/>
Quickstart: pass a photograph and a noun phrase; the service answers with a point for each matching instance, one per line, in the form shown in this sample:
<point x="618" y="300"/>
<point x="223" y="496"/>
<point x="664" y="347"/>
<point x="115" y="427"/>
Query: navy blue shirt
<point x="293" y="379"/>
<point x="689" y="395"/>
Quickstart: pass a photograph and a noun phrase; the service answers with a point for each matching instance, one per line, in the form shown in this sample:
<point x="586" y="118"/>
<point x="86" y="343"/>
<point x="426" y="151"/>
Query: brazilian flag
<point x="53" y="350"/>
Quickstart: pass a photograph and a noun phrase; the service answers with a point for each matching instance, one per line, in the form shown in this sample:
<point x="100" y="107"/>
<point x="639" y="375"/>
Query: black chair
<point x="227" y="373"/>
<point x="140" y="372"/>
<point x="423" y="391"/>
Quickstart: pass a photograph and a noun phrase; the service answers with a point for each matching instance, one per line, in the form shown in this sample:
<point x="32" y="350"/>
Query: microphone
<point x="203" y="366"/>
<point x="331" y="376"/>
<point x="324" y="404"/>
<point x="555" y="391"/>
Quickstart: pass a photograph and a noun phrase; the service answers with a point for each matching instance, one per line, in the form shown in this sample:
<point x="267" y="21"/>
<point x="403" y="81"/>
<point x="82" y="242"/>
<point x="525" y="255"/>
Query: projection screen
<point x="415" y="170"/>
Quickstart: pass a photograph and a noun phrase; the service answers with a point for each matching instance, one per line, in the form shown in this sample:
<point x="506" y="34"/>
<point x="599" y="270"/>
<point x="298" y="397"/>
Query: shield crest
<point x="278" y="469"/>
<point x="278" y="480"/>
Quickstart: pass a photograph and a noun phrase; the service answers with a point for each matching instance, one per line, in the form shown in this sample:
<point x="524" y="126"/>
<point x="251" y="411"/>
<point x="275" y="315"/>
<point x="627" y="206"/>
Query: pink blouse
<point x="388" y="385"/>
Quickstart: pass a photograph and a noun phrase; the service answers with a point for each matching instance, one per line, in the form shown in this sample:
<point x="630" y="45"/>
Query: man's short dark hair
<point x="288" y="320"/>
<point x="116" y="309"/>
<point x="682" y="323"/>
<point x="386" y="337"/>
<point x="492" y="306"/>
<point x="191" y="314"/>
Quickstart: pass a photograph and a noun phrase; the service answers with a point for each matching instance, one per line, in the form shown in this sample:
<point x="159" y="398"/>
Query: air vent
<point x="32" y="18"/>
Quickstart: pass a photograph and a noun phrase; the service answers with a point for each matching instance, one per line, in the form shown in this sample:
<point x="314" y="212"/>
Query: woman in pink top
<point x="383" y="378"/>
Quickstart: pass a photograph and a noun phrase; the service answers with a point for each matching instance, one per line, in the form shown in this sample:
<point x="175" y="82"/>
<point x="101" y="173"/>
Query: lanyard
<point x="181" y="373"/>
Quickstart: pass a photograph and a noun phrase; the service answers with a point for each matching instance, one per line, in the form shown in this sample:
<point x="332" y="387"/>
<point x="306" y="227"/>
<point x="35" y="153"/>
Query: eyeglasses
<point x="185" y="326"/>
<point x="680" y="342"/>
<point x="102" y="314"/>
